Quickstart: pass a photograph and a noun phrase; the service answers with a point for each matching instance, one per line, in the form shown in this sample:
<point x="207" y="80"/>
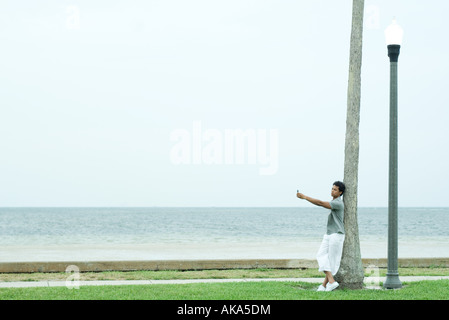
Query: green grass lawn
<point x="432" y="290"/>
<point x="423" y="290"/>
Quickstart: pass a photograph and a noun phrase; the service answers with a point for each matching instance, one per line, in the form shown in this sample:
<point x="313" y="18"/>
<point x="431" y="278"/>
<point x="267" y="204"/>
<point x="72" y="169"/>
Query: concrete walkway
<point x="371" y="281"/>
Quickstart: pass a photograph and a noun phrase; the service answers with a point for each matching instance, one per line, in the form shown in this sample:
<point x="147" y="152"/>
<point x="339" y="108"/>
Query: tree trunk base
<point x="351" y="285"/>
<point x="350" y="278"/>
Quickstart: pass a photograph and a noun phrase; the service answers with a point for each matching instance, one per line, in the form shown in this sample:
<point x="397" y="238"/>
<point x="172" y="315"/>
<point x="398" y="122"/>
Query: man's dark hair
<point x="341" y="186"/>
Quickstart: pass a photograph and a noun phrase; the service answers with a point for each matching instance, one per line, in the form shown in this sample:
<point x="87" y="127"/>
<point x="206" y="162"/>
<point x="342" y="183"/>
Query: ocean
<point x="159" y="233"/>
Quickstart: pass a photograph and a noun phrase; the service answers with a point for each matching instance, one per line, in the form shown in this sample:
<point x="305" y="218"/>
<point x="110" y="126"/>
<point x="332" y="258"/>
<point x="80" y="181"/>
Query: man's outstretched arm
<point x="316" y="202"/>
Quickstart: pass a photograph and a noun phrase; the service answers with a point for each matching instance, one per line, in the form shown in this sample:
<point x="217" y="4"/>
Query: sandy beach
<point x="408" y="248"/>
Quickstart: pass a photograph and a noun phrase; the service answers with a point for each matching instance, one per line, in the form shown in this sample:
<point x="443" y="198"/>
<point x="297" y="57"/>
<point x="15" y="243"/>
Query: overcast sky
<point x="145" y="103"/>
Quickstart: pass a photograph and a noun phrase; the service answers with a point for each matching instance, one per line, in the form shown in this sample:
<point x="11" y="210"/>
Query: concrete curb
<point x="182" y="265"/>
<point x="77" y="284"/>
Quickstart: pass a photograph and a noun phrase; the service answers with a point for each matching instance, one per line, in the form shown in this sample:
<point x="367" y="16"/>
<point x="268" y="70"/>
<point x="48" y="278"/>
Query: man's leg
<point x="329" y="278"/>
<point x="325" y="281"/>
<point x="335" y="253"/>
<point x="323" y="261"/>
<point x="323" y="258"/>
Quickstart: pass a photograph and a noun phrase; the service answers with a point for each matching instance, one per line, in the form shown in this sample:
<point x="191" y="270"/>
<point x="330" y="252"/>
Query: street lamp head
<point x="393" y="37"/>
<point x="394" y="34"/>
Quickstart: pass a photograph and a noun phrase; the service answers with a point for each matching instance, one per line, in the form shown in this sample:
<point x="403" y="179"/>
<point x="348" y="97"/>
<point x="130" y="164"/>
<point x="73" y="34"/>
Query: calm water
<point x="32" y="234"/>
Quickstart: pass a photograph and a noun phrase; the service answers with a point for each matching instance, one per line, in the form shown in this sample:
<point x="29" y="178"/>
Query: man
<point x="329" y="254"/>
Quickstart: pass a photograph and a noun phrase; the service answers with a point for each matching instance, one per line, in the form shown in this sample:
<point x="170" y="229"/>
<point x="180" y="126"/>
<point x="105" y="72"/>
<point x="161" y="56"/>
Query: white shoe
<point x="321" y="288"/>
<point x="332" y="286"/>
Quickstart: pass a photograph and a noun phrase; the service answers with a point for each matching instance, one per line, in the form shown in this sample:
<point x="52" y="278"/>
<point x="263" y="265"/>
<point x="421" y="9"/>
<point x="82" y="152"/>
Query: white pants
<point x="329" y="254"/>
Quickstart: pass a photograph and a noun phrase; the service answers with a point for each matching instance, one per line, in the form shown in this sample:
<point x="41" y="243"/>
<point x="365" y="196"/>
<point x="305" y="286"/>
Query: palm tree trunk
<point x="350" y="274"/>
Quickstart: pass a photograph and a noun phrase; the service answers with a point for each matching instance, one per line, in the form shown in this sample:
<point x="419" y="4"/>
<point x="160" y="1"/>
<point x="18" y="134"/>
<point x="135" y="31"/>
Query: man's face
<point x="335" y="192"/>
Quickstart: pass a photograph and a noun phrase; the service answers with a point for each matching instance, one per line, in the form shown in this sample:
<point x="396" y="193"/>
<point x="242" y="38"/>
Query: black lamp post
<point x="393" y="36"/>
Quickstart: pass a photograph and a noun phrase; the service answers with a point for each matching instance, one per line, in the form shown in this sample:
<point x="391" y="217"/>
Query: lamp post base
<point x="392" y="281"/>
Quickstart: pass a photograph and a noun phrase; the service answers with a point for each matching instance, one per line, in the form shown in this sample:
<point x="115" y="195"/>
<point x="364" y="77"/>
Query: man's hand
<point x="300" y="195"/>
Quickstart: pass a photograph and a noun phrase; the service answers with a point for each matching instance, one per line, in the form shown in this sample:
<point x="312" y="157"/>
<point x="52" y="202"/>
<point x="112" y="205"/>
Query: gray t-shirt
<point x="335" y="222"/>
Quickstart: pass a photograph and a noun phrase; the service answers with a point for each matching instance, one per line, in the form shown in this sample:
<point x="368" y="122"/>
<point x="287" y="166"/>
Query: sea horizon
<point x="161" y="233"/>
